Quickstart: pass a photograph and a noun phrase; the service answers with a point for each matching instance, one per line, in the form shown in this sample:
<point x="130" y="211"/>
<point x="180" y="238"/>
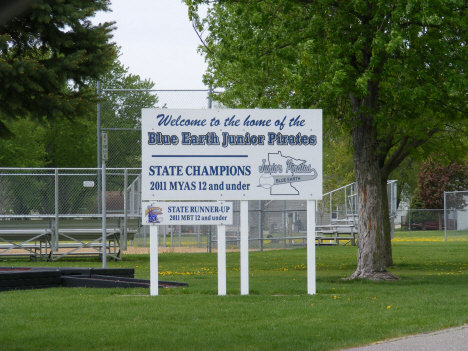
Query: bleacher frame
<point x="44" y="238"/>
<point x="340" y="207"/>
<point x="42" y="217"/>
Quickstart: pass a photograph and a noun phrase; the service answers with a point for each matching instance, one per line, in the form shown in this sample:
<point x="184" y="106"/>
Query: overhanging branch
<point x="403" y="150"/>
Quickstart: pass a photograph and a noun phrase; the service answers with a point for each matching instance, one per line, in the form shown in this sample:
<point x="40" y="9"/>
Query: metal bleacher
<point x="51" y="214"/>
<point x="49" y="240"/>
<point x="338" y="215"/>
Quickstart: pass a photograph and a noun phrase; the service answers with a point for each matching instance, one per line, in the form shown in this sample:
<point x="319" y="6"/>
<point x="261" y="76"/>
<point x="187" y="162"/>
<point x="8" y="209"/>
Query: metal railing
<point x="119" y="114"/>
<point x="341" y="203"/>
<point x="74" y="193"/>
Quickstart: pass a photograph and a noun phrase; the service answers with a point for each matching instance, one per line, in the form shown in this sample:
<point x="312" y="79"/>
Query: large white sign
<point x="201" y="213"/>
<point x="231" y="154"/>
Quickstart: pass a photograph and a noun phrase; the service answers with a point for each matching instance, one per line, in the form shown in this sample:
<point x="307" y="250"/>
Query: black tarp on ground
<point x="21" y="278"/>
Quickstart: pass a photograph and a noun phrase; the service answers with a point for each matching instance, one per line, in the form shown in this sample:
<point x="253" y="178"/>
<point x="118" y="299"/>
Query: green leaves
<point x="403" y="62"/>
<point x="47" y="49"/>
<point x="436" y="177"/>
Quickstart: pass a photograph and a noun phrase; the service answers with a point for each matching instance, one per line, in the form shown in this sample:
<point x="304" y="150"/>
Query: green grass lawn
<point x="278" y="314"/>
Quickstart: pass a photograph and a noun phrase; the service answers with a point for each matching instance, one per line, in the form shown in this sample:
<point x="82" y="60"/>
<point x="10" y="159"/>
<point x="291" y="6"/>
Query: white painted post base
<point x="311" y="278"/>
<point x="244" y="247"/>
<point x="154" y="283"/>
<point x="221" y="260"/>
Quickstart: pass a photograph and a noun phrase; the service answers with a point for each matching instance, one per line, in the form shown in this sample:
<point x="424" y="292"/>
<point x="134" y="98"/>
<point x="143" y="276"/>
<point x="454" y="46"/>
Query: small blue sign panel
<point x="201" y="213"/>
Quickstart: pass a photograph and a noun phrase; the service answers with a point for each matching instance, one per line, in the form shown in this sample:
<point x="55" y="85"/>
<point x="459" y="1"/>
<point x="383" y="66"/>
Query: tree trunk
<point x="372" y="205"/>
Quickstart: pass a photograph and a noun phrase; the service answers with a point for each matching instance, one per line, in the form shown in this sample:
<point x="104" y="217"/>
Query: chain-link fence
<point x="456" y="214"/>
<point x="119" y="114"/>
<point x="272" y="225"/>
<point x="421" y="219"/>
<point x="449" y="223"/>
<point x="62" y="194"/>
<point x="65" y="192"/>
<point x="52" y="213"/>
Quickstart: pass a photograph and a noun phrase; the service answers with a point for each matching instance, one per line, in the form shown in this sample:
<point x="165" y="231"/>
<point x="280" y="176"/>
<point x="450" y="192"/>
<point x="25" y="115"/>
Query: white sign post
<point x="244" y="247"/>
<point x="154" y="269"/>
<point x="180" y="213"/>
<point x="311" y="278"/>
<point x="254" y="154"/>
<point x="222" y="260"/>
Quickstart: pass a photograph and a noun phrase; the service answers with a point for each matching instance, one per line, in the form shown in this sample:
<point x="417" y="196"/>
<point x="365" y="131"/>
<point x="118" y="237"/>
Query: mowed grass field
<point x="278" y="314"/>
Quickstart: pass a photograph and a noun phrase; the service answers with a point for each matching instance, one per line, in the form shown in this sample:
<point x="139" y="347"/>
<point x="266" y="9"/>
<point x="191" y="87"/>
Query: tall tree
<point x="62" y="142"/>
<point x="47" y="54"/>
<point x="71" y="143"/>
<point x="338" y="168"/>
<point x="392" y="72"/>
<point x="26" y="148"/>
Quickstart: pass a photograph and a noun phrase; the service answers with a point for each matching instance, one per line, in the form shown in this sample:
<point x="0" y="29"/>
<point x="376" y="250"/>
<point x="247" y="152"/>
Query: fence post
<point x="55" y="239"/>
<point x="260" y="223"/>
<point x="209" y="96"/>
<point x="124" y="245"/>
<point x="180" y="235"/>
<point x="99" y="145"/>
<point x="104" y="210"/>
<point x="284" y="224"/>
<point x="172" y="235"/>
<point x="346" y="203"/>
<point x="209" y="240"/>
<point x="409" y="221"/>
<point x="445" y="216"/>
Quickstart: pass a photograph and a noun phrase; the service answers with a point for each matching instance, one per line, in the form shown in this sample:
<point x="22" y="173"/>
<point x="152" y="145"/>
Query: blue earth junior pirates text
<point x="211" y="138"/>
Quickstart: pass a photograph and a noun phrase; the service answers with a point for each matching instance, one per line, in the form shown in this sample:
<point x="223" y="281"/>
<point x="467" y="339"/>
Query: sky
<point x="157" y="41"/>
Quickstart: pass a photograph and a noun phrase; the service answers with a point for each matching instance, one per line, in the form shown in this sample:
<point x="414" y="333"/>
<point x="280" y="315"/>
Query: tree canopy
<point x="62" y="142"/>
<point x="393" y="74"/>
<point x="436" y="177"/>
<point x="47" y="54"/>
